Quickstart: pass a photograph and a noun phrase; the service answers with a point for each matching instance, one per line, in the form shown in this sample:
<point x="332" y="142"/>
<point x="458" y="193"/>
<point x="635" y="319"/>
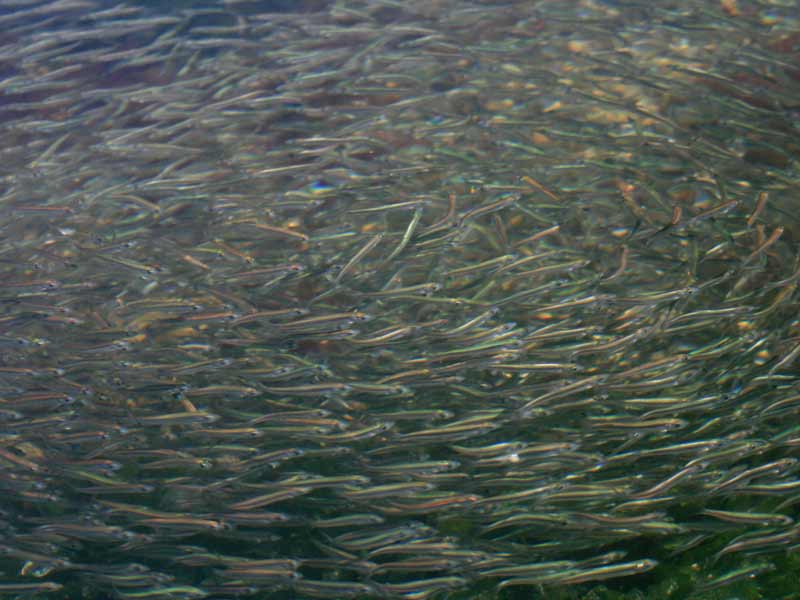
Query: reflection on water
<point x="360" y="299"/>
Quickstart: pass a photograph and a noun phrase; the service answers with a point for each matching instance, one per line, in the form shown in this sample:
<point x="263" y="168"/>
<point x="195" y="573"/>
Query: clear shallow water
<point x="442" y="300"/>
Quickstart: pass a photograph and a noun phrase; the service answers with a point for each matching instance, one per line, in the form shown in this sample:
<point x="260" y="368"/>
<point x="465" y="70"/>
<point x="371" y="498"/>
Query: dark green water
<point x="383" y="299"/>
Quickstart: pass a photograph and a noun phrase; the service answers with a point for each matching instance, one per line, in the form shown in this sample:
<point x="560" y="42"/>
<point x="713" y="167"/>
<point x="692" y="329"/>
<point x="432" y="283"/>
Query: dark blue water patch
<point x="255" y="7"/>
